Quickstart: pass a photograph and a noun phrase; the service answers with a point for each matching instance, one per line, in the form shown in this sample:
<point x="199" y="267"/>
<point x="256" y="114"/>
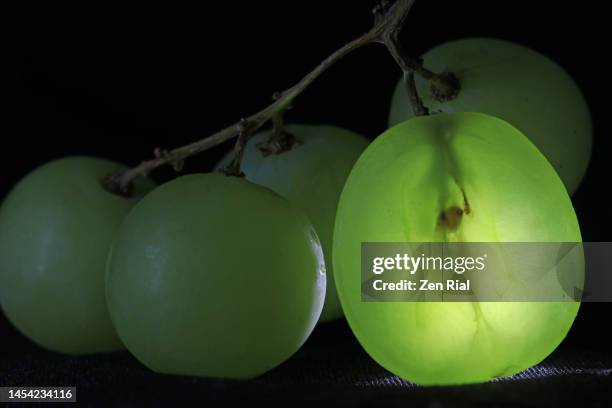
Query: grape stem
<point x="388" y="21"/>
<point x="415" y="100"/>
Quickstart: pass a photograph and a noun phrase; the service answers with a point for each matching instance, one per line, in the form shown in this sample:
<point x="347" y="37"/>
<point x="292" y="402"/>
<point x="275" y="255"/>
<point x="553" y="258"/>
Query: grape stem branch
<point x="415" y="100"/>
<point x="388" y="22"/>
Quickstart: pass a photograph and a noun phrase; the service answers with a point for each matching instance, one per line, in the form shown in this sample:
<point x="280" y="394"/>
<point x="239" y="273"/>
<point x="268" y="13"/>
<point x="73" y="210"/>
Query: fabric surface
<point x="330" y="368"/>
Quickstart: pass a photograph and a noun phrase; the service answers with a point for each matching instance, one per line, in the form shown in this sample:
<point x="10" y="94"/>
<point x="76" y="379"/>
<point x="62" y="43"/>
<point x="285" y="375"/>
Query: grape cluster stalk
<point x="389" y="19"/>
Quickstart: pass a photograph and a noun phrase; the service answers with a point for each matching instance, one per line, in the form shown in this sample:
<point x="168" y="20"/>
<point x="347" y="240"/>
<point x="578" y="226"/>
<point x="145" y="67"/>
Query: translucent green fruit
<point x="215" y="276"/>
<point x="56" y="228"/>
<point x="516" y="84"/>
<point x="397" y="191"/>
<point x="311" y="176"/>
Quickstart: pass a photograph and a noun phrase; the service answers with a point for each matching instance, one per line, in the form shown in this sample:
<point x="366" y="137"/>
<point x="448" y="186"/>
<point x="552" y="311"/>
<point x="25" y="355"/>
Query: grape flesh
<point x="516" y="84"/>
<point x="396" y="192"/>
<point x="311" y="176"/>
<point x="56" y="228"/>
<point x="215" y="276"/>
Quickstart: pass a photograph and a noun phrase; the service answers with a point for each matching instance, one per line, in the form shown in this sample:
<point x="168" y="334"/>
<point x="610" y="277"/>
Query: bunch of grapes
<point x="227" y="276"/>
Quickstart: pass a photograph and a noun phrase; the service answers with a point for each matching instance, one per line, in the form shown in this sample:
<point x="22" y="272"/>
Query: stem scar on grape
<point x="447" y="91"/>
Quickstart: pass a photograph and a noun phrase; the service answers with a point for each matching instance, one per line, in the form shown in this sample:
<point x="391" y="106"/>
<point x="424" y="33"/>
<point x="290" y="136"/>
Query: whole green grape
<point x="56" y="228"/>
<point x="214" y="276"/>
<point x="397" y="191"/>
<point x="516" y="84"/>
<point x="311" y="176"/>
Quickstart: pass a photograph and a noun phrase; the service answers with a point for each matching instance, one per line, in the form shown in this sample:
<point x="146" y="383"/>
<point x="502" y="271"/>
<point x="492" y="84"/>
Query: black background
<point x="117" y="83"/>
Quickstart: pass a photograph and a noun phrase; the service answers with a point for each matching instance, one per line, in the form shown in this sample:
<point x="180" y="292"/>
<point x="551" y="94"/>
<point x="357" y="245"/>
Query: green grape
<point x="397" y="191"/>
<point x="516" y="84"/>
<point x="311" y="176"/>
<point x="214" y="276"/>
<point x="56" y="228"/>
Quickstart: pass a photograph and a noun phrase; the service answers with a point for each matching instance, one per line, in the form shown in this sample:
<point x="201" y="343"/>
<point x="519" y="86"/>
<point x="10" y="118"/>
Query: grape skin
<point x="56" y="228"/>
<point x="215" y="276"/>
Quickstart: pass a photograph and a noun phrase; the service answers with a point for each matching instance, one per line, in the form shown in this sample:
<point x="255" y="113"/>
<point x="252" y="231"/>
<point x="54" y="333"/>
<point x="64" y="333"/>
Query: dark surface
<point x="117" y="83"/>
<point x="331" y="367"/>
